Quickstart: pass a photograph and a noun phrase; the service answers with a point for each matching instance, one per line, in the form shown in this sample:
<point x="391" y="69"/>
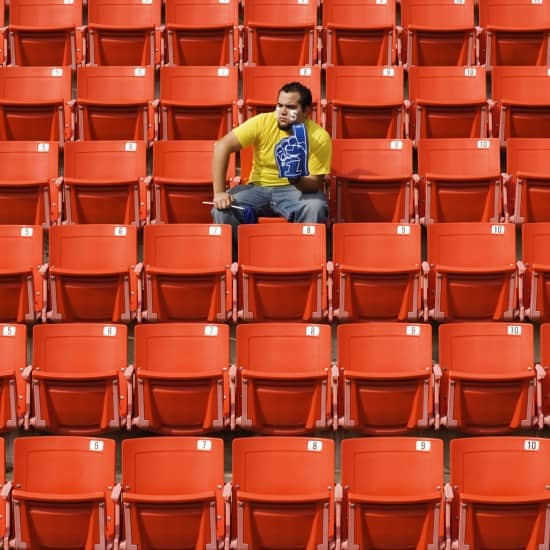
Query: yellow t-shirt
<point x="263" y="133"/>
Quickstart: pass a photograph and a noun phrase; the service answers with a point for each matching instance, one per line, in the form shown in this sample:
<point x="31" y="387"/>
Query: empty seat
<point x="173" y="509"/>
<point x="275" y="285"/>
<point x="460" y="180"/>
<point x="489" y="383"/>
<point x="181" y="378"/>
<point x="392" y="492"/>
<point x="3" y="44"/>
<point x="64" y="493"/>
<point x="281" y="33"/>
<point x="102" y="181"/>
<point x="78" y="383"/>
<point x="116" y="103"/>
<point x="545" y="365"/>
<point x="528" y="180"/>
<point x="29" y="192"/>
<point x="448" y="102"/>
<point x="359" y="32"/>
<point x="438" y="32"/>
<point x="472" y="271"/>
<point x="46" y="33"/>
<point x="283" y="493"/>
<point x="377" y="272"/>
<point x="124" y="32"/>
<point x="22" y="291"/>
<point x="91" y="273"/>
<point x="200" y="32"/>
<point x="372" y="180"/>
<point x="34" y="104"/>
<point x="197" y="102"/>
<point x="365" y="102"/>
<point x="500" y="492"/>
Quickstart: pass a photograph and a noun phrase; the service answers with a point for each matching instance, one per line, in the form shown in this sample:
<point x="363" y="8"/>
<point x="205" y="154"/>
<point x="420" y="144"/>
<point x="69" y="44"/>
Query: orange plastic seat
<point x="200" y="32"/>
<point x="92" y="273"/>
<point x="392" y="493"/>
<point x="181" y="378"/>
<point x="3" y="42"/>
<point x="438" y="32"/>
<point x="34" y="104"/>
<point x="377" y="272"/>
<point x="275" y="285"/>
<point x="359" y="32"/>
<point x="22" y="290"/>
<point x="29" y="181"/>
<point x="448" y="102"/>
<point x="46" y="33"/>
<point x="500" y="493"/>
<point x="460" y="180"/>
<point x="365" y="102"/>
<point x="4" y="527"/>
<point x="64" y="493"/>
<point x="187" y="273"/>
<point x="489" y="383"/>
<point x="545" y="366"/>
<point x="283" y="493"/>
<point x="281" y="33"/>
<point x="78" y="384"/>
<point x="386" y="379"/>
<point x="102" y="181"/>
<point x="124" y="32"/>
<point x="472" y="271"/>
<point x="166" y="507"/>
<point x="197" y="103"/>
<point x="116" y="103"/>
<point x="372" y="180"/>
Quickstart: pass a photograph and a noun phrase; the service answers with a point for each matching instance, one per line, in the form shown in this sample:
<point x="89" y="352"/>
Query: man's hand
<point x="222" y="200"/>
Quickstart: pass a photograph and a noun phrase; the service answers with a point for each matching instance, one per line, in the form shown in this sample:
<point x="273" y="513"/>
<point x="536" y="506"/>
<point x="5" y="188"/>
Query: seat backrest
<point x="13" y="348"/>
<point x="521" y="86"/>
<point x="28" y="161"/>
<point x="124" y="14"/>
<point x="22" y="247"/>
<point x="201" y="14"/>
<point x="264" y="13"/>
<point x="514" y="15"/>
<point x="358" y="14"/>
<point x="42" y="14"/>
<point x="35" y="85"/>
<point x="527" y="155"/>
<point x="535" y="238"/>
<point x="437" y="15"/>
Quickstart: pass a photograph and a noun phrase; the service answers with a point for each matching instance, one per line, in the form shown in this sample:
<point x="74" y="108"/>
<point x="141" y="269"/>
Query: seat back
<point x="545" y="363"/>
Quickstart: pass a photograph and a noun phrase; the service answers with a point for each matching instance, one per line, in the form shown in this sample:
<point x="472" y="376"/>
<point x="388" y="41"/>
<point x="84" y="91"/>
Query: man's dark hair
<point x="305" y="93"/>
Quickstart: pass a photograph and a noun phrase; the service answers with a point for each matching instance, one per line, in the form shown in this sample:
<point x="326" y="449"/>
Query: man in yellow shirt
<point x="291" y="157"/>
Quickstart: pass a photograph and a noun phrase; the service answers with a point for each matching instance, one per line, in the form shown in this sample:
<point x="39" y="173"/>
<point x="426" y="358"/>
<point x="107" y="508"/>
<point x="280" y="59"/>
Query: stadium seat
<point x="5" y="505"/>
<point x="64" y="493"/>
<point x="372" y="180"/>
<point x="438" y="32"/>
<point x="460" y="180"/>
<point x="365" y="102"/>
<point x="181" y="382"/>
<point x="124" y="32"/>
<point x="22" y="290"/>
<point x="102" y="180"/>
<point x="489" y="383"/>
<point x="448" y="102"/>
<point x="92" y="273"/>
<point x="281" y="33"/>
<point x="3" y="39"/>
<point x="283" y="493"/>
<point x="359" y="33"/>
<point x="35" y="104"/>
<point x="284" y="382"/>
<point x="377" y="272"/>
<point x="545" y="366"/>
<point x="515" y="32"/>
<point x="170" y="508"/>
<point x="77" y="381"/>
<point x="472" y="271"/>
<point x="527" y="179"/>
<point x="392" y="493"/>
<point x="197" y="102"/>
<point x="499" y="493"/>
<point x="46" y="33"/>
<point x="522" y="96"/>
<point x="29" y="183"/>
<point x="200" y="32"/>
<point x="187" y="273"/>
<point x="116" y="103"/>
<point x="275" y="285"/>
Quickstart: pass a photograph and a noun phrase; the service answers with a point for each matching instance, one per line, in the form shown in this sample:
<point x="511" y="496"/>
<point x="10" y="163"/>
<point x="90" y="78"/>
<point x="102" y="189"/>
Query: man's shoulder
<point x="263" y="119"/>
<point x="316" y="132"/>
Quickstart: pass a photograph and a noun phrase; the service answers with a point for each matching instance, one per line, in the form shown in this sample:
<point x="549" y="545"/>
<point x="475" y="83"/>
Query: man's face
<point x="289" y="110"/>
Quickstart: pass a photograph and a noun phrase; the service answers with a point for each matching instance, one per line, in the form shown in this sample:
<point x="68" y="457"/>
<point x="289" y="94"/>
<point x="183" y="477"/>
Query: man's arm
<point x="222" y="151"/>
<point x="308" y="184"/>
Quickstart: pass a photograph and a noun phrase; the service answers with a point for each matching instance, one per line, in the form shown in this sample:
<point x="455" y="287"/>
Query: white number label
<point x="211" y="330"/>
<point x="313" y="331"/>
<point x="109" y="331"/>
<point x="548" y="72"/>
<point x="214" y="230"/>
<point x="538" y="2"/>
<point x="388" y="71"/>
<point x="57" y="72"/>
<point x="459" y="2"/>
<point x="9" y="330"/>
<point x="223" y="1"/>
<point x="130" y="146"/>
<point x="403" y="229"/>
<point x="146" y="1"/>
<point x="96" y="445"/>
<point x="204" y="445"/>
<point x="308" y="230"/>
<point x="305" y="71"/>
<point x="514" y="330"/>
<point x="531" y="445"/>
<point x="120" y="231"/>
<point x="315" y="445"/>
<point x="483" y="144"/>
<point x="68" y="2"/>
<point x="139" y="71"/>
<point x="26" y="231"/>
<point x="303" y="2"/>
<point x="423" y="446"/>
<point x="413" y="330"/>
<point x="43" y="147"/>
<point x="223" y="71"/>
<point x="381" y="2"/>
<point x="497" y="229"/>
<point x="470" y="71"/>
<point x="396" y="144"/>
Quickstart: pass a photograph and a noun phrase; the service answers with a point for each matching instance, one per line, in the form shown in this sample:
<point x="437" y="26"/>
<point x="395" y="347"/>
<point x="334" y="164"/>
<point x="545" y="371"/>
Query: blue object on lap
<point x="291" y="153"/>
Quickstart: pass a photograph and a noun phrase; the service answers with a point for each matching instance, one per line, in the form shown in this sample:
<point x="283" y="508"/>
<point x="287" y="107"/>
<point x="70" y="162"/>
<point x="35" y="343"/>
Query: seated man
<point x="291" y="156"/>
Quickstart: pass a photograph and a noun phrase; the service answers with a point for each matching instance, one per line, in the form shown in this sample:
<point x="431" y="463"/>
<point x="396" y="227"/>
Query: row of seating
<point x="282" y="383"/>
<point x="48" y="32"/>
<point x="282" y="494"/>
